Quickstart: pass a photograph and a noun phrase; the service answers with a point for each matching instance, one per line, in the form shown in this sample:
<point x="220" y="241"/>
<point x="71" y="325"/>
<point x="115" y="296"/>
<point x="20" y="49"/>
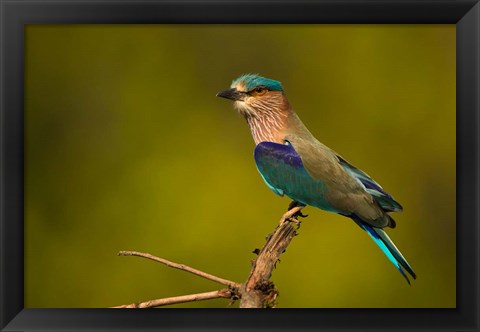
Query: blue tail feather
<point x="388" y="247"/>
<point x="395" y="252"/>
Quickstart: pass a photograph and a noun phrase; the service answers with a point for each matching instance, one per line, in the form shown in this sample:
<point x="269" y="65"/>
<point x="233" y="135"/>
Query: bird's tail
<point x="388" y="247"/>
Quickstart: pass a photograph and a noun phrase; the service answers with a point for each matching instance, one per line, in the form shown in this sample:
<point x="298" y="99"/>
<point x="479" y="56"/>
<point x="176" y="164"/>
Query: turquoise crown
<point x="251" y="81"/>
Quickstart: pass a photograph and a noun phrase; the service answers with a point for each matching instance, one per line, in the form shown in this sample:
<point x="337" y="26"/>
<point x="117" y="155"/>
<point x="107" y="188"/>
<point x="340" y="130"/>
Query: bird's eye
<point x="260" y="90"/>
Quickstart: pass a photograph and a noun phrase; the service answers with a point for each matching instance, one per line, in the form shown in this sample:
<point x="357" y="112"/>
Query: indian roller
<point x="294" y="163"/>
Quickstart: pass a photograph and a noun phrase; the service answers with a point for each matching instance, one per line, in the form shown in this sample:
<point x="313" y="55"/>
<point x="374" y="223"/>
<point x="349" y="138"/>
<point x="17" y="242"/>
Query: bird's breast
<point x="267" y="127"/>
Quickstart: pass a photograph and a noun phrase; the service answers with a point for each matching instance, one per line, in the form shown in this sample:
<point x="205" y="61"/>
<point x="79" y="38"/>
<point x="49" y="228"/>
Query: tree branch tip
<point x="126" y="253"/>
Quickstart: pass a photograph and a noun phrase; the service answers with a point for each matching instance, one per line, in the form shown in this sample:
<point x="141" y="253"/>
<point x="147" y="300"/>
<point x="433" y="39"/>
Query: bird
<point x="292" y="162"/>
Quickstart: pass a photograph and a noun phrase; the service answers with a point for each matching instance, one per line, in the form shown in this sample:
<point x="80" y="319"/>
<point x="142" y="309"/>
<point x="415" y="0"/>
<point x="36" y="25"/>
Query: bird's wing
<point x="344" y="189"/>
<point x="385" y="200"/>
<point x="283" y="171"/>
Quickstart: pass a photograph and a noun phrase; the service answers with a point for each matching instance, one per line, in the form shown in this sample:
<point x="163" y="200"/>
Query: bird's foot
<point x="295" y="204"/>
<point x="294" y="211"/>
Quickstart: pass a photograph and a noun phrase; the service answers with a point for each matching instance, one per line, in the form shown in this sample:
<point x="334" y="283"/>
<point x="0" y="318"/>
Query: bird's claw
<point x="300" y="214"/>
<point x="294" y="204"/>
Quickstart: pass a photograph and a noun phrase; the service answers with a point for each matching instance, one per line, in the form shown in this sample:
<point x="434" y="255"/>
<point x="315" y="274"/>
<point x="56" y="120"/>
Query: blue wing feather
<point x="384" y="199"/>
<point x="282" y="170"/>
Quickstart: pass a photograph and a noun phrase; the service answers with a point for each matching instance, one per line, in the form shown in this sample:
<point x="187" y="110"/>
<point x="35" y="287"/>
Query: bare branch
<point x="222" y="293"/>
<point x="258" y="291"/>
<point x="182" y="267"/>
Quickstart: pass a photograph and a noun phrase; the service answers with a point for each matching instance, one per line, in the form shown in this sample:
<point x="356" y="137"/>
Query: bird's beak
<point x="232" y="94"/>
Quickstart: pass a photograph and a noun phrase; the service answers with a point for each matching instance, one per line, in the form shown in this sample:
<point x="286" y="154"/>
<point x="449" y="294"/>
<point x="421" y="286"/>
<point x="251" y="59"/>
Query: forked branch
<point x="257" y="291"/>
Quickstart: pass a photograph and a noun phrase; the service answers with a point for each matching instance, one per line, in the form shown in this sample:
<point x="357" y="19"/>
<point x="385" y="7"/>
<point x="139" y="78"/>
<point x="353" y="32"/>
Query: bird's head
<point x="254" y="95"/>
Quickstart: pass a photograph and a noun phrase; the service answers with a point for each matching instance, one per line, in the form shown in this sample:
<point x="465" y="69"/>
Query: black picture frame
<point x="15" y="14"/>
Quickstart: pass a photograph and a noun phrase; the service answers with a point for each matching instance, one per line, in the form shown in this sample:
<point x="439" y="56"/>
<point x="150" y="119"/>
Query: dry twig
<point x="222" y="293"/>
<point x="182" y="267"/>
<point x="257" y="291"/>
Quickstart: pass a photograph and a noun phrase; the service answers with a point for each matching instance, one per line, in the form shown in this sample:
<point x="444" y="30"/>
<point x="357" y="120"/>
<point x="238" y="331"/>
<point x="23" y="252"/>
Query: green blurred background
<point x="127" y="148"/>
